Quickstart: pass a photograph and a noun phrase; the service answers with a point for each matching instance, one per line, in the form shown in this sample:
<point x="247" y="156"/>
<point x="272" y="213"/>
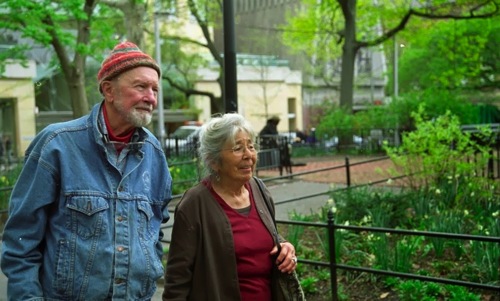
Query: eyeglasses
<point x="239" y="149"/>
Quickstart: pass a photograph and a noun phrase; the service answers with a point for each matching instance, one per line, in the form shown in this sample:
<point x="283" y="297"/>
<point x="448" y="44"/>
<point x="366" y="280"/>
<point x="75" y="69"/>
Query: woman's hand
<point x="286" y="259"/>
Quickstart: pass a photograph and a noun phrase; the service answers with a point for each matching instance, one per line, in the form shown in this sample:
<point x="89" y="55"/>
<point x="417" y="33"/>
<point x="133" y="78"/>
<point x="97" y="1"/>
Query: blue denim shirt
<point x="84" y="221"/>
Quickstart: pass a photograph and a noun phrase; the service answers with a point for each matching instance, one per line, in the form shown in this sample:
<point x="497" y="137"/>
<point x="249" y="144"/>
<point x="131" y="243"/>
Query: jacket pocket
<point x="149" y="224"/>
<point x="62" y="275"/>
<point x="87" y="215"/>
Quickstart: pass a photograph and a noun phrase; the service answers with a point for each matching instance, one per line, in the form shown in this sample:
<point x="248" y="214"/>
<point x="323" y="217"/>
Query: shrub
<point x="439" y="156"/>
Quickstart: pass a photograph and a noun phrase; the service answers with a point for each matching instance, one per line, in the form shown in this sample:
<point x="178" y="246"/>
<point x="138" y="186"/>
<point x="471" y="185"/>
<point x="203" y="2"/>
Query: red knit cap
<point x="125" y="56"/>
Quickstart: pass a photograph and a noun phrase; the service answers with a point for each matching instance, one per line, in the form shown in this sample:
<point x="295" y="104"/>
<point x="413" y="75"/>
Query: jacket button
<point x="120" y="188"/>
<point x="120" y="218"/>
<point x="119" y="281"/>
<point x="120" y="249"/>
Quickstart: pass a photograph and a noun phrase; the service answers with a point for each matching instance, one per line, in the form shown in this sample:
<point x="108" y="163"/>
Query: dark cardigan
<point x="201" y="262"/>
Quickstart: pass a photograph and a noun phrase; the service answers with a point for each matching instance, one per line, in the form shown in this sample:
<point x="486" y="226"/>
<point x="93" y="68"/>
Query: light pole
<point x="161" y="123"/>
<point x="397" y="140"/>
<point x="396" y="79"/>
<point x="230" y="78"/>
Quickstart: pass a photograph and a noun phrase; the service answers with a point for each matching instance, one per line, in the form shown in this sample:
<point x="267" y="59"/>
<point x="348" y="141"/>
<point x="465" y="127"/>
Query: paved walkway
<point x="334" y="170"/>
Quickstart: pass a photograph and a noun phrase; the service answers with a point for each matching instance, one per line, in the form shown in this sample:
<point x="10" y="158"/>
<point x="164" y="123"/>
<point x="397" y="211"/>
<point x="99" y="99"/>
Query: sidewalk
<point x="281" y="190"/>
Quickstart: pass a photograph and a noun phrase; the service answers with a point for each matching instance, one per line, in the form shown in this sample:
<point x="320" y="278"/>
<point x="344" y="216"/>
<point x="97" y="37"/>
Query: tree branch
<point x="412" y="12"/>
<point x="188" y="91"/>
<point x="121" y="5"/>
<point x="206" y="33"/>
<point x="186" y="40"/>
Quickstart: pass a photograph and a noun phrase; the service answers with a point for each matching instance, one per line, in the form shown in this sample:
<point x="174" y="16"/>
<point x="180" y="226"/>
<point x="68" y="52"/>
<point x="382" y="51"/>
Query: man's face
<point x="133" y="97"/>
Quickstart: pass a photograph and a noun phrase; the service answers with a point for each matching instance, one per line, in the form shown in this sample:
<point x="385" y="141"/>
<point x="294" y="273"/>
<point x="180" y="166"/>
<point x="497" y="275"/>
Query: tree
<point x="185" y="57"/>
<point x="69" y="28"/>
<point x="453" y="55"/>
<point x="134" y="13"/>
<point x="331" y="27"/>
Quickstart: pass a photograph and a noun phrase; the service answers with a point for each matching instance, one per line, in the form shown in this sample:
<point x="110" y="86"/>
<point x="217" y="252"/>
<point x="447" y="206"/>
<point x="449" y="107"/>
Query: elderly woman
<point x="223" y="244"/>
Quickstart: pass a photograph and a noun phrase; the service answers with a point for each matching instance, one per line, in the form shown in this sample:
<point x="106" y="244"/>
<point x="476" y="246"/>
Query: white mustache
<point x="148" y="108"/>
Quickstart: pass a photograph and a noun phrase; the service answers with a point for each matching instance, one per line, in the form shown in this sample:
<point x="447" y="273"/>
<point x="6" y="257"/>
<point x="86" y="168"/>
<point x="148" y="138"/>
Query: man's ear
<point x="107" y="89"/>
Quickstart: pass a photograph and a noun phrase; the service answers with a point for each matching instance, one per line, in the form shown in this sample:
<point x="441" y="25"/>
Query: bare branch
<point x="206" y="32"/>
<point x="434" y="16"/>
<point x="188" y="91"/>
<point x="121" y="5"/>
<point x="185" y="40"/>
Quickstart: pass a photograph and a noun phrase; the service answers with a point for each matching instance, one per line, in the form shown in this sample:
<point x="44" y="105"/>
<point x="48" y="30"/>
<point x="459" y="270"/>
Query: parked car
<point x="183" y="140"/>
<point x="334" y="141"/>
<point x="290" y="136"/>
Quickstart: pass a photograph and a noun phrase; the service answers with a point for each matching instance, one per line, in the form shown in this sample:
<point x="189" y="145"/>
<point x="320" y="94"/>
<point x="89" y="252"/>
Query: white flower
<point x="365" y="219"/>
<point x="438" y="191"/>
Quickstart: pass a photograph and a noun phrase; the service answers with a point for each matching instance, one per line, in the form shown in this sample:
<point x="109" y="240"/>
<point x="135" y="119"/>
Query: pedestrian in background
<point x="85" y="214"/>
<point x="269" y="133"/>
<point x="223" y="237"/>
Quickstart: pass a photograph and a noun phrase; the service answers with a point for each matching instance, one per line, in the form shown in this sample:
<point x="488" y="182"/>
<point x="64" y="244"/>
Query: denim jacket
<point x="84" y="221"/>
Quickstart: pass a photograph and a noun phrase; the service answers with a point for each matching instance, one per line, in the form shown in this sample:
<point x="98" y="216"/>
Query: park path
<point x="325" y="171"/>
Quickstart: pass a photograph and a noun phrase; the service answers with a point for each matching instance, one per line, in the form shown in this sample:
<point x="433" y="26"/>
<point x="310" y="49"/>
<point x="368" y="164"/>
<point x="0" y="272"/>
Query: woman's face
<point x="238" y="160"/>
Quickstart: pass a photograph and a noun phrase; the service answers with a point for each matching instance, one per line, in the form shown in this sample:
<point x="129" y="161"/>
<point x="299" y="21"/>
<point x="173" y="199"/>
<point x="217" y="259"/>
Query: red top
<point x="252" y="243"/>
<point x="124" y="139"/>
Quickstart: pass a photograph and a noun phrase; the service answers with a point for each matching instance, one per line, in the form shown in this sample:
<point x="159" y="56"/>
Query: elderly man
<point x="85" y="213"/>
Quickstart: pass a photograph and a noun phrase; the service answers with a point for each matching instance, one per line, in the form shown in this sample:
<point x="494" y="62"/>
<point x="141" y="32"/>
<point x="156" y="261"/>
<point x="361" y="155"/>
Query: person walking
<point x="269" y="133"/>
<point x="223" y="237"/>
<point x="85" y="213"/>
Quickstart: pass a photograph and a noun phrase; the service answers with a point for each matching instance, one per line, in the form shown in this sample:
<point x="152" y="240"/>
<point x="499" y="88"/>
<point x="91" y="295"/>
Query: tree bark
<point x="349" y="50"/>
<point x="348" y="54"/>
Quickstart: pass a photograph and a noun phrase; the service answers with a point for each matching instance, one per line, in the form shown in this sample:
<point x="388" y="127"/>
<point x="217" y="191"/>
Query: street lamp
<point x="397" y="141"/>
<point x="396" y="66"/>
<point x="161" y="123"/>
<point x="230" y="75"/>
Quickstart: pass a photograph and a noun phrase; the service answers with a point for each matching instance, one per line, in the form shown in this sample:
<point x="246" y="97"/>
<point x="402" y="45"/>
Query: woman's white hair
<point x="215" y="133"/>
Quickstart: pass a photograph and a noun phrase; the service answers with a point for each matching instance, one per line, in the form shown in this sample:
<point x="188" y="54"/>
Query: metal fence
<point x="335" y="267"/>
<point x="332" y="228"/>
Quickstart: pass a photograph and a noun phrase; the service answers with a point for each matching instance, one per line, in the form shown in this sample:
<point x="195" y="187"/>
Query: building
<point x="257" y="28"/>
<point x="266" y="87"/>
<point x="17" y="108"/>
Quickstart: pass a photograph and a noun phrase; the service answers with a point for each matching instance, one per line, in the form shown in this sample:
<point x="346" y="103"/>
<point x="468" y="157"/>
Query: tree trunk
<point x="133" y="12"/>
<point x="349" y="50"/>
<point x="74" y="71"/>
<point x="134" y="21"/>
<point x="348" y="54"/>
<point x="77" y="91"/>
